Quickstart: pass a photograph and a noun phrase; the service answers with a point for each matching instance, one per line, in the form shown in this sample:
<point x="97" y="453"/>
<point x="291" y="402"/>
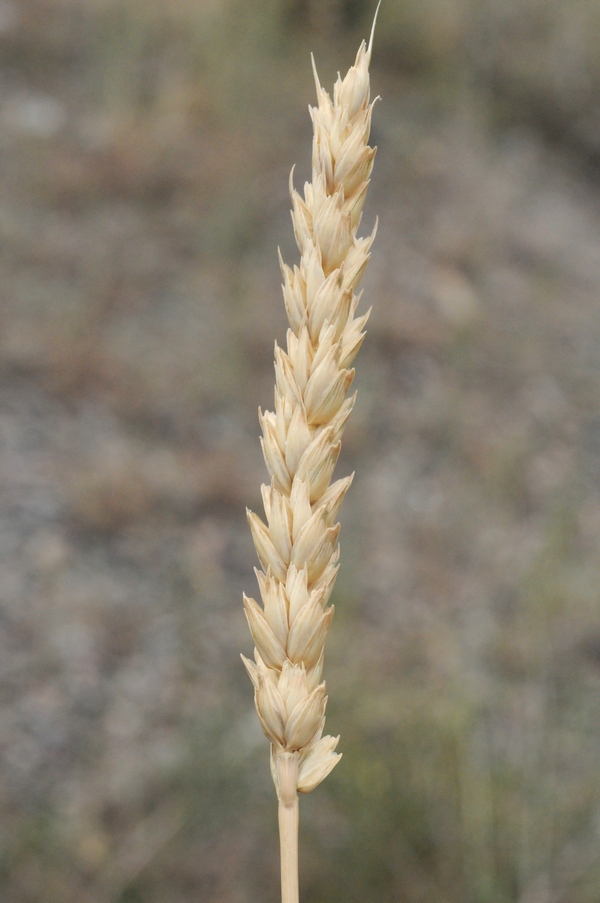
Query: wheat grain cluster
<point x="301" y="439"/>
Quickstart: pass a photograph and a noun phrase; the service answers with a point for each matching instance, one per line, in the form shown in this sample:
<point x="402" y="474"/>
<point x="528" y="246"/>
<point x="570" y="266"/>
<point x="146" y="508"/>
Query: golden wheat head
<point x="298" y="544"/>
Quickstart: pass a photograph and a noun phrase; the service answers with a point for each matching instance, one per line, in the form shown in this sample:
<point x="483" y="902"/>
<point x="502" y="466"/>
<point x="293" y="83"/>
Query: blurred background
<point x="145" y="149"/>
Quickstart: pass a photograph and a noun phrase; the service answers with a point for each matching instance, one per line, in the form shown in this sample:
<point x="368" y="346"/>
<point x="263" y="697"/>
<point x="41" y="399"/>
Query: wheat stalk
<point x="297" y="546"/>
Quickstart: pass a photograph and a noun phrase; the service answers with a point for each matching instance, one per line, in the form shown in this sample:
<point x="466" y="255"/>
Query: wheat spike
<point x="298" y="545"/>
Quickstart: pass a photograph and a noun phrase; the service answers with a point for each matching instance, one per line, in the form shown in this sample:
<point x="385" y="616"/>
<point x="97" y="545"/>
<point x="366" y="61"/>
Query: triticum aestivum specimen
<point x="297" y="546"/>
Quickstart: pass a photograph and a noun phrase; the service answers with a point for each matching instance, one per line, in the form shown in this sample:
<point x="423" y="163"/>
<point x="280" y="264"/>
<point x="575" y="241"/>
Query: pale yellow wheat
<point x="298" y="545"/>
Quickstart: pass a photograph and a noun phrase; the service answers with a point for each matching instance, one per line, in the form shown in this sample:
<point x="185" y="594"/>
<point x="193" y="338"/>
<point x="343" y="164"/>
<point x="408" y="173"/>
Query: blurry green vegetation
<point x="146" y="150"/>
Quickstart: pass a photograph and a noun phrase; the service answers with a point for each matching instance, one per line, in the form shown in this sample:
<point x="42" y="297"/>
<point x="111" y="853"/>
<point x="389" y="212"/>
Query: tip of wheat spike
<point x="370" y="47"/>
<point x="316" y="75"/>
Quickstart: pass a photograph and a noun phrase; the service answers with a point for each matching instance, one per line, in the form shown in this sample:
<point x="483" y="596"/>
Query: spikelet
<point x="298" y="544"/>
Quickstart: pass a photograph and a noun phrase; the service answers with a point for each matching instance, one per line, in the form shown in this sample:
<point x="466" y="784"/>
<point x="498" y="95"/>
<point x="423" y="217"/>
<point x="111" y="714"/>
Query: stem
<point x="288" y="837"/>
<point x="287" y="770"/>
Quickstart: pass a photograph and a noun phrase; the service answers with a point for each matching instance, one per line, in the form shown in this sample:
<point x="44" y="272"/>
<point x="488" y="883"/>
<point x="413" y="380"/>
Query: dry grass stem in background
<point x="298" y="545"/>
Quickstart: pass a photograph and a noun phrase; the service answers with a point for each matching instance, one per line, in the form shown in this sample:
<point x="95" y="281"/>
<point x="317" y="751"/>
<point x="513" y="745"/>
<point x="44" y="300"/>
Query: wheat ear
<point x="297" y="547"/>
